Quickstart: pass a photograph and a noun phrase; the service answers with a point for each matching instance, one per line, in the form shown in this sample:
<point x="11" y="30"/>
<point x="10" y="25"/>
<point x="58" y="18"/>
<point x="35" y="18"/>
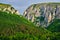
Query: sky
<point x="22" y="5"/>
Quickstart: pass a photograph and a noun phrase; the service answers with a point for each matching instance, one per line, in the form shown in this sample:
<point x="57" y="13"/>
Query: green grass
<point x="16" y="27"/>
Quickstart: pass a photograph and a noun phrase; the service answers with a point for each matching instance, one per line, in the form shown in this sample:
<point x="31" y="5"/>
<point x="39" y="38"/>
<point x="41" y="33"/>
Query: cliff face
<point x="43" y="14"/>
<point x="8" y="8"/>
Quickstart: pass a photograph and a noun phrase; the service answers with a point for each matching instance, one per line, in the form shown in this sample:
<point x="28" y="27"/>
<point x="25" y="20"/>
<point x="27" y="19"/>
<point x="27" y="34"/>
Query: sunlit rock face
<point x="43" y="14"/>
<point x="8" y="8"/>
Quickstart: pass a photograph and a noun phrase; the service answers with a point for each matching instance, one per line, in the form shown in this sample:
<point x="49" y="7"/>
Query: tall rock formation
<point x="43" y="14"/>
<point x="8" y="8"/>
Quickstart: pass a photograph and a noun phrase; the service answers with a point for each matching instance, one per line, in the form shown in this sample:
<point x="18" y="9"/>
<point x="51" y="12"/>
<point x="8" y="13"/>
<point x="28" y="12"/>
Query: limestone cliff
<point x="43" y="14"/>
<point x="8" y="8"/>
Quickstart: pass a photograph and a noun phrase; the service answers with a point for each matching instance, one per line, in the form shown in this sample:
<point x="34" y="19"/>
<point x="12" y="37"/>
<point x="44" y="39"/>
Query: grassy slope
<point x="12" y="20"/>
<point x="17" y="26"/>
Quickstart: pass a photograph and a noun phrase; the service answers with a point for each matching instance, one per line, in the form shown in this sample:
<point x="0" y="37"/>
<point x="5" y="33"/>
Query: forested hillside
<point x="14" y="26"/>
<point x="54" y="26"/>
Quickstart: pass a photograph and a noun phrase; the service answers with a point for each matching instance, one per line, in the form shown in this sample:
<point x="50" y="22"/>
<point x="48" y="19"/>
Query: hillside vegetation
<point x="16" y="27"/>
<point x="54" y="26"/>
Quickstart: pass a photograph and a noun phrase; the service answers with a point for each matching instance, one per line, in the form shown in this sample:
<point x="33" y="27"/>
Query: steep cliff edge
<point x="43" y="14"/>
<point x="8" y="8"/>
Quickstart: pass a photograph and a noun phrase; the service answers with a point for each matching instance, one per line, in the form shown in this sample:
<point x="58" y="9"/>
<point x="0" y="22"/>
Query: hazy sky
<point x="22" y="5"/>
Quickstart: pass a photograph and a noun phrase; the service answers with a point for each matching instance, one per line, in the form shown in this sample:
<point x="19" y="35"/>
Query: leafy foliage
<point x="16" y="27"/>
<point x="54" y="26"/>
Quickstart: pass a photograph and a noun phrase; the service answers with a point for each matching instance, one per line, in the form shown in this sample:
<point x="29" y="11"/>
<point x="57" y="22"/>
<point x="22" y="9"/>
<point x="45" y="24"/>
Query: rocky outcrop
<point x="43" y="14"/>
<point x="8" y="8"/>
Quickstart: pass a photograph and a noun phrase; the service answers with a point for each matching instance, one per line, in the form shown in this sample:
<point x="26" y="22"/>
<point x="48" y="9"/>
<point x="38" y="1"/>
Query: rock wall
<point x="8" y="8"/>
<point x="43" y="14"/>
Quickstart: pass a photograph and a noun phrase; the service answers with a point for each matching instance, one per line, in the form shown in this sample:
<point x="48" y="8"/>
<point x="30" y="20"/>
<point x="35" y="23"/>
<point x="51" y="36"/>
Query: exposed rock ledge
<point x="8" y="8"/>
<point x="43" y="14"/>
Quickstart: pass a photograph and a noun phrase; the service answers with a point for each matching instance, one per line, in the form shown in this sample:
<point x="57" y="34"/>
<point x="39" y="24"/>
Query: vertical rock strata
<point x="43" y="14"/>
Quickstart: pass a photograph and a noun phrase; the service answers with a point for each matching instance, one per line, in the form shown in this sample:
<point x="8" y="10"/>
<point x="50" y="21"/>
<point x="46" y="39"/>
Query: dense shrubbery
<point x="21" y="36"/>
<point x="15" y="27"/>
<point x="54" y="26"/>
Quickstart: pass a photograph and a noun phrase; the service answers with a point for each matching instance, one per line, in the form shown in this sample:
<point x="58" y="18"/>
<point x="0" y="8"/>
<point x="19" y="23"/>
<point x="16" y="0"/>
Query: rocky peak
<point x="43" y="14"/>
<point x="8" y="8"/>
